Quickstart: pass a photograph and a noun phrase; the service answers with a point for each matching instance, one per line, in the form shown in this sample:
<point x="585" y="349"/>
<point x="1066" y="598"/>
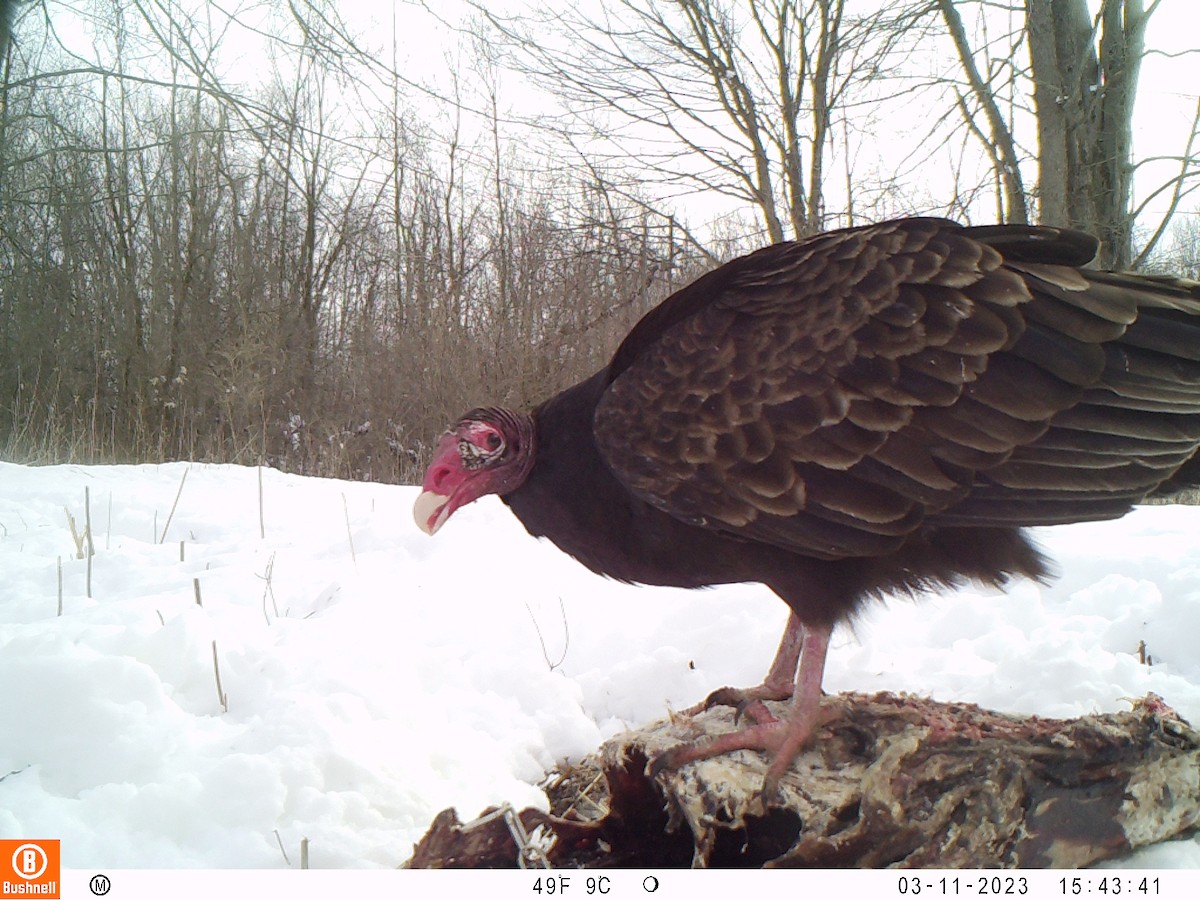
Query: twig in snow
<point x="221" y="695"/>
<point x="349" y="533"/>
<point x="14" y="772"/>
<point x="279" y="841"/>
<point x="87" y="534"/>
<point x="566" y="635"/>
<point x="171" y="514"/>
<point x="269" y="588"/>
<point x="87" y="521"/>
<point x="74" y="534"/>
<point x="1143" y="657"/>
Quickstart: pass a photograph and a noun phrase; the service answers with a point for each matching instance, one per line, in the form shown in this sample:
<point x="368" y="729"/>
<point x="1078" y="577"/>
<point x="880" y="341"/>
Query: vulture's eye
<point x="493" y="442"/>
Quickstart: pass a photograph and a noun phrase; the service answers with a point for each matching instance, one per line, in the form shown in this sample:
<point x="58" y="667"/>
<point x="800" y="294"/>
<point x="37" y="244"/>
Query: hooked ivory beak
<point x="431" y="511"/>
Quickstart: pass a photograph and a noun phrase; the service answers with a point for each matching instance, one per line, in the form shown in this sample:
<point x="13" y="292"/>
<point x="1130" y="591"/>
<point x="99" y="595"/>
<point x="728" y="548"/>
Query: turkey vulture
<point x="864" y="412"/>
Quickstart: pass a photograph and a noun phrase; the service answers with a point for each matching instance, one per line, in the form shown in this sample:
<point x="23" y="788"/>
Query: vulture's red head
<point x="489" y="451"/>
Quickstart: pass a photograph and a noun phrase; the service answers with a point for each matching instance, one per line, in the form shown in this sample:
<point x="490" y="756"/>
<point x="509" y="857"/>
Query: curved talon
<point x="658" y="764"/>
<point x="740" y="699"/>
<point x="726" y="696"/>
<point x="754" y="710"/>
<point x="769" y="792"/>
<point x="782" y="738"/>
<point x="739" y="710"/>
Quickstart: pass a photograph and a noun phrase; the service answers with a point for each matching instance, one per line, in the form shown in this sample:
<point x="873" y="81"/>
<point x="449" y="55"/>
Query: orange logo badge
<point x="29" y="869"/>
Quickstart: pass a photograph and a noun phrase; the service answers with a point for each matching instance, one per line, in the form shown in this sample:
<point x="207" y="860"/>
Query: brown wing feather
<point x="831" y="396"/>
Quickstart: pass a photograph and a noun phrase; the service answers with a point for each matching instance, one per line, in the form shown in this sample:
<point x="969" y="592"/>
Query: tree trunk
<point x="1049" y="100"/>
<point x="1083" y="93"/>
<point x="999" y="142"/>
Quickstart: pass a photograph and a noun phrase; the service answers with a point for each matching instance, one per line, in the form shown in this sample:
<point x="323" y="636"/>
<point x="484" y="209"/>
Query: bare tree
<point x="1081" y="68"/>
<point x="984" y="94"/>
<point x="736" y="99"/>
<point x="7" y="13"/>
<point x="6" y="17"/>
<point x="1085" y="75"/>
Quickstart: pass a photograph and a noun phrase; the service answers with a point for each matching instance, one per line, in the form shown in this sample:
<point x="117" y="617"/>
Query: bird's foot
<point x="747" y="701"/>
<point x="763" y="736"/>
<point x="782" y="739"/>
<point x="780" y="683"/>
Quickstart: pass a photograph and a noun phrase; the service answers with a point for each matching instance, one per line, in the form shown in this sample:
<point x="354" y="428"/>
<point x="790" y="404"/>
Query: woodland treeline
<point x="316" y="265"/>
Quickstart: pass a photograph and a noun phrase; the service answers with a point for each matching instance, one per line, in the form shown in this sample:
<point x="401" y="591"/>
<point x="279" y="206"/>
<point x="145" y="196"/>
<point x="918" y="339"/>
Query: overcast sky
<point x="430" y="48"/>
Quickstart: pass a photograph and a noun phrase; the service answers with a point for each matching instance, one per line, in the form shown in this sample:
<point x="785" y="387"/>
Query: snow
<point x="374" y="676"/>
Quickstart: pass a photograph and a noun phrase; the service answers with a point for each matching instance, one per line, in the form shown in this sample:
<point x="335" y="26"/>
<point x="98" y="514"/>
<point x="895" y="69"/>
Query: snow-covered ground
<point x="374" y="676"/>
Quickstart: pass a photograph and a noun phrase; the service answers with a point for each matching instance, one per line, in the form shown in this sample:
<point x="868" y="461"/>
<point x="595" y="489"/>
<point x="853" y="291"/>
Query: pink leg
<point x="778" y="684"/>
<point x="782" y="738"/>
<point x="804" y="713"/>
